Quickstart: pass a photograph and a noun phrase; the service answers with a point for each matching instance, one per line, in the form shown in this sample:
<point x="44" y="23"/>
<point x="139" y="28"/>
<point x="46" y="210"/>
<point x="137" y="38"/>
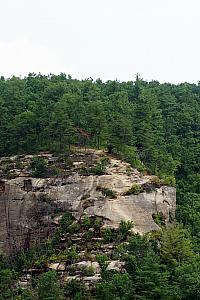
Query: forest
<point x="153" y="126"/>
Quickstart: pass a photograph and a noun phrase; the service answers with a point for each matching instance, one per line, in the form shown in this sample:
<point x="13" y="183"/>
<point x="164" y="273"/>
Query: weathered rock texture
<point x="29" y="210"/>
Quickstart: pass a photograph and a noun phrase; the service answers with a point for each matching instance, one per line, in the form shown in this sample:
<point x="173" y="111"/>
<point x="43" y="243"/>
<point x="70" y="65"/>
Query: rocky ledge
<point x="30" y="208"/>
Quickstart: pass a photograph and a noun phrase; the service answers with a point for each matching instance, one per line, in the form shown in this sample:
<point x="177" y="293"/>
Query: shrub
<point x="86" y="222"/>
<point x="75" y="289"/>
<point x="49" y="287"/>
<point x="134" y="190"/>
<point x="109" y="235"/>
<point x="156" y="182"/>
<point x="100" y="168"/>
<point x="74" y="228"/>
<point x="107" y="192"/>
<point x="159" y="218"/>
<point x="128" y="170"/>
<point x="66" y="220"/>
<point x="44" y="198"/>
<point x="73" y="255"/>
<point x="89" y="235"/>
<point x="23" y="294"/>
<point x="88" y="271"/>
<point x="39" y="166"/>
<point x="130" y="155"/>
<point x="102" y="259"/>
<point x="124" y="229"/>
<point x="97" y="223"/>
<point x="169" y="180"/>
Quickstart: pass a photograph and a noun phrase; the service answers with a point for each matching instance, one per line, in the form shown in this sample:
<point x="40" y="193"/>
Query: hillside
<point x="89" y="176"/>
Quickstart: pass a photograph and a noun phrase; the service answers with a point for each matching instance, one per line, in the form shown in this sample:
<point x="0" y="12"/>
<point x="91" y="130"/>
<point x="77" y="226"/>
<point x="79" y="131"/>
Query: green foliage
<point x="88" y="271"/>
<point x="38" y="166"/>
<point x="188" y="280"/>
<point x="102" y="259"/>
<point x="135" y="189"/>
<point x="72" y="255"/>
<point x="7" y="277"/>
<point x="88" y="235"/>
<point x="109" y="235"/>
<point x="24" y="294"/>
<point x="86" y="222"/>
<point x="74" y="228"/>
<point x="66" y="221"/>
<point x="159" y="218"/>
<point x="124" y="229"/>
<point x="100" y="167"/>
<point x="97" y="223"/>
<point x="75" y="289"/>
<point x="169" y="180"/>
<point x="176" y="246"/>
<point x="48" y="287"/>
<point x="120" y="287"/>
<point x="107" y="192"/>
<point x="154" y="127"/>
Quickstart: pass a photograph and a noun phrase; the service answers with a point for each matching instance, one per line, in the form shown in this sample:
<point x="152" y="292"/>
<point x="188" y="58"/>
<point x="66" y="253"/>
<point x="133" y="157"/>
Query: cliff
<point x="30" y="208"/>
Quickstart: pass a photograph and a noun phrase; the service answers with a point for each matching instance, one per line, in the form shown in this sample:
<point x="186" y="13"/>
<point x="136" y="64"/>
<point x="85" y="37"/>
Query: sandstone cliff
<point x="31" y="207"/>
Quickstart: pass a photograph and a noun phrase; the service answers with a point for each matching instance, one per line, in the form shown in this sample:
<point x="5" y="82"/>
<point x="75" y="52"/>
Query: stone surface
<point x="57" y="266"/>
<point x="115" y="265"/>
<point x="28" y="217"/>
<point x="88" y="264"/>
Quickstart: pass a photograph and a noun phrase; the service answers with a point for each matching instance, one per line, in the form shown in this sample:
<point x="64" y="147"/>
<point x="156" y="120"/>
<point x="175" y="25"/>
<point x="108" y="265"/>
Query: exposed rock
<point x="25" y="281"/>
<point x="29" y="206"/>
<point x="87" y="264"/>
<point x="70" y="278"/>
<point x="115" y="265"/>
<point x="92" y="279"/>
<point x="57" y="266"/>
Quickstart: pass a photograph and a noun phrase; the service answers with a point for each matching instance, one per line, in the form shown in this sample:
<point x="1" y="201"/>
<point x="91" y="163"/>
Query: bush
<point x="159" y="219"/>
<point x="66" y="220"/>
<point x="100" y="168"/>
<point x="156" y="181"/>
<point x="102" y="259"/>
<point x="48" y="287"/>
<point x="97" y="223"/>
<point x="134" y="190"/>
<point x="75" y="289"/>
<point x="39" y="166"/>
<point x="169" y="180"/>
<point x="89" y="235"/>
<point x="86" y="222"/>
<point x="109" y="235"/>
<point x="88" y="271"/>
<point x="130" y="155"/>
<point x="24" y="294"/>
<point x="72" y="255"/>
<point x="124" y="229"/>
<point x="107" y="192"/>
<point x="74" y="228"/>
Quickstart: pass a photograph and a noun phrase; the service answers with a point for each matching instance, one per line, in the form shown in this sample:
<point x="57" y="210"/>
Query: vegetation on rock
<point x="155" y="127"/>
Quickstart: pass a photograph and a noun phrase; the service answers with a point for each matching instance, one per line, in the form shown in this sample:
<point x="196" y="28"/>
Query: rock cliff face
<point x="30" y="207"/>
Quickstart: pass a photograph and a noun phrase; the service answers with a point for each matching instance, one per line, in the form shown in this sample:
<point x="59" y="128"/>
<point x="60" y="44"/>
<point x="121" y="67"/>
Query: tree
<point x="48" y="287"/>
<point x="176" y="246"/>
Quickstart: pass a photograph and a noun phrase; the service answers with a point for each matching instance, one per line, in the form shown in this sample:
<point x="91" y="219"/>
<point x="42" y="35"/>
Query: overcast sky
<point x="107" y="39"/>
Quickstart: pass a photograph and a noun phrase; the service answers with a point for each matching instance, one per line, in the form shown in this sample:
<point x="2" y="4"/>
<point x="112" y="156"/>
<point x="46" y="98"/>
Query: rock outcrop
<point x="31" y="207"/>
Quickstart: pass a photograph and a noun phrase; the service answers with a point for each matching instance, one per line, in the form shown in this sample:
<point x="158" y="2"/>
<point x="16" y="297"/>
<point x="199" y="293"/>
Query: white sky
<point x="107" y="39"/>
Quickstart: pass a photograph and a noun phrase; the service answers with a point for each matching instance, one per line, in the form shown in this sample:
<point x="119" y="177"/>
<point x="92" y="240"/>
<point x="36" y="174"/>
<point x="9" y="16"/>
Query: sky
<point x="107" y="39"/>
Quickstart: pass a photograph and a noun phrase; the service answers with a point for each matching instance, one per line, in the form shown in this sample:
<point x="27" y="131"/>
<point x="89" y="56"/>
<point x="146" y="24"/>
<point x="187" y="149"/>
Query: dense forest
<point x="153" y="126"/>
